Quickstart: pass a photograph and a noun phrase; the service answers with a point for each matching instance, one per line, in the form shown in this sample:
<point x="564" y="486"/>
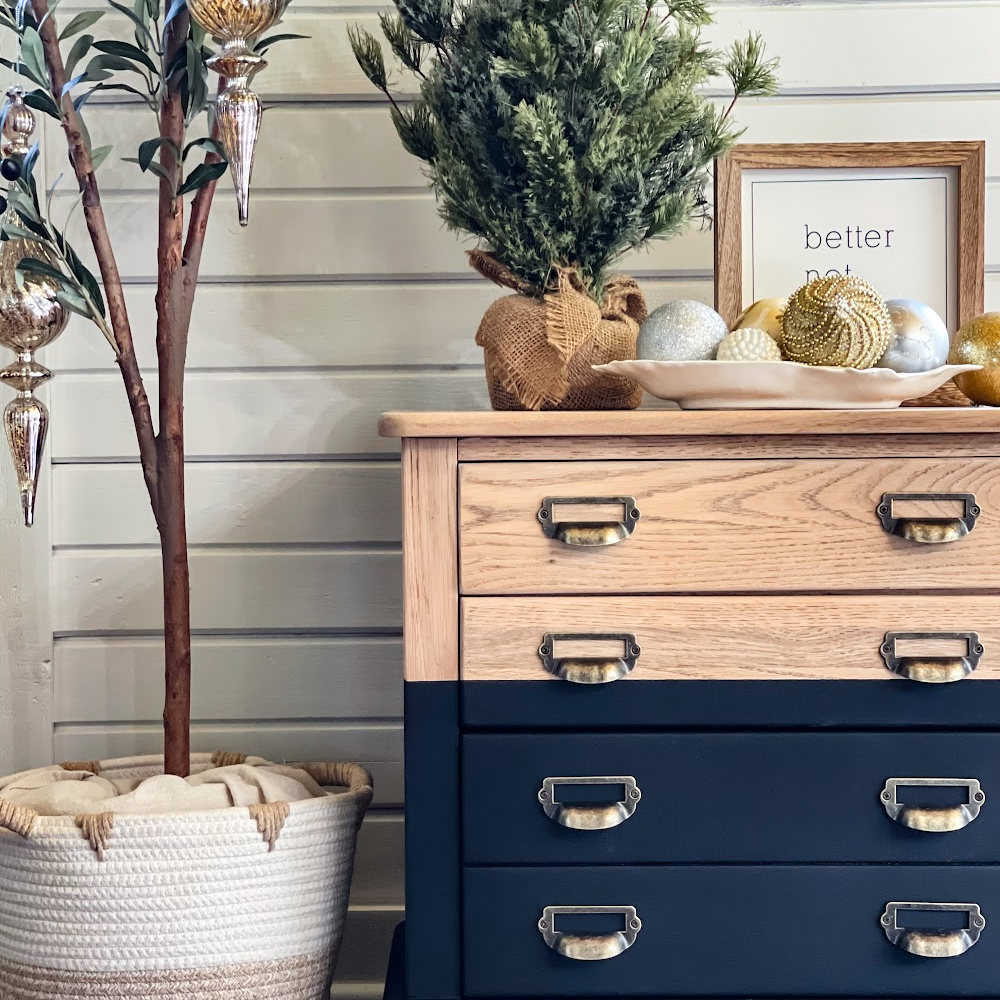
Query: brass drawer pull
<point x="588" y="533"/>
<point x="939" y="819"/>
<point x="929" y="530"/>
<point x="589" y="816"/>
<point x="589" y="947"/>
<point x="932" y="669"/>
<point x="933" y="943"/>
<point x="589" y="669"/>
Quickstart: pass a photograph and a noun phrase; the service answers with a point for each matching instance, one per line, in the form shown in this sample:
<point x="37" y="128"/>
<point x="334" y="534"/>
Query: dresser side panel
<point x="430" y="559"/>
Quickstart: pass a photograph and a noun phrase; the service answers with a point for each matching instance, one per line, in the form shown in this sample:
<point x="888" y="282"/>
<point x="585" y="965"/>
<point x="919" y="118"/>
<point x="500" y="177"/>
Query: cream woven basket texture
<point x="244" y="903"/>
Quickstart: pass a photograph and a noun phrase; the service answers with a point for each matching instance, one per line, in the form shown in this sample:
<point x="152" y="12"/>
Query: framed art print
<point x="908" y="217"/>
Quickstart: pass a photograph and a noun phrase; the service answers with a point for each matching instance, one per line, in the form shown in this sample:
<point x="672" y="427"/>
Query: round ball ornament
<point x="978" y="343"/>
<point x="764" y="314"/>
<point x="837" y="321"/>
<point x="748" y="344"/>
<point x="920" y="340"/>
<point x="681" y="331"/>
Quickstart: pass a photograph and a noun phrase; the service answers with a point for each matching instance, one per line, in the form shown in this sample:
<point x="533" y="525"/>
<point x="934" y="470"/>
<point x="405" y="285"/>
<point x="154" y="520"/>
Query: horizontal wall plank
<point x="278" y="414"/>
<point x="300" y="147"/>
<point x="319" y="234"/>
<point x="316" y="235"/>
<point x="322" y="325"/>
<point x="821" y="46"/>
<point x="270" y="503"/>
<point x="254" y="590"/>
<point x="121" y="680"/>
<point x="378" y="867"/>
<point x="364" y="951"/>
<point x="379" y="748"/>
<point x="302" y="325"/>
<point x="336" y="147"/>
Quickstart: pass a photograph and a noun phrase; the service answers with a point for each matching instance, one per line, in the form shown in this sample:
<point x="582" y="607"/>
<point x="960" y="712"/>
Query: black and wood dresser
<point x="701" y="704"/>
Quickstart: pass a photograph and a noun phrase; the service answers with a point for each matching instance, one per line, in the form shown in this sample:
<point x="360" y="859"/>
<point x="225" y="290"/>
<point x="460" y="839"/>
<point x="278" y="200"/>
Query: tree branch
<point x="79" y="157"/>
<point x="201" y="208"/>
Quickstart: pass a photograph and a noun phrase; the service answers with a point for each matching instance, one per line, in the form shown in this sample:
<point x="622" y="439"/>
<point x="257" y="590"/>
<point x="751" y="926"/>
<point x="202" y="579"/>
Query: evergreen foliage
<point x="562" y="132"/>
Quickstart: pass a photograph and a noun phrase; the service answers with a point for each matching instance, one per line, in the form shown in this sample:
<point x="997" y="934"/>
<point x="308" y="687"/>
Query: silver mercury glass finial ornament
<point x="238" y="109"/>
<point x="30" y="317"/>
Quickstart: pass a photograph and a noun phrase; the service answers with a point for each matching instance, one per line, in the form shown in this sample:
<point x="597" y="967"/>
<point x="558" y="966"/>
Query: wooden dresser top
<point x="689" y="423"/>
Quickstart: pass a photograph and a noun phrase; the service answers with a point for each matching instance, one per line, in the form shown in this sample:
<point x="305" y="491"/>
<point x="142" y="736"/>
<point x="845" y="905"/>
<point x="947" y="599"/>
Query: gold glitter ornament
<point x="764" y="314"/>
<point x="978" y="343"/>
<point x="748" y="344"/>
<point x="838" y="321"/>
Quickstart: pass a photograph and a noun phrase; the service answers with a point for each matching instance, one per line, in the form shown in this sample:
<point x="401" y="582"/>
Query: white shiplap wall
<point x="344" y="298"/>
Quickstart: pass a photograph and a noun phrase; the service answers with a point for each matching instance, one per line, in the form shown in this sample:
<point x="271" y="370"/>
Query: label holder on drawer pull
<point x="589" y="947"/>
<point x="590" y="816"/>
<point x="588" y="534"/>
<point x="932" y="669"/>
<point x="589" y="669"/>
<point x="937" y="819"/>
<point x="929" y="530"/>
<point x="933" y="943"/>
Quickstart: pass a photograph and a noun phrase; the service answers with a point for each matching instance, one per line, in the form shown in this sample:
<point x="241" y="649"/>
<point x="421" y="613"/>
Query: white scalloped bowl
<point x="779" y="385"/>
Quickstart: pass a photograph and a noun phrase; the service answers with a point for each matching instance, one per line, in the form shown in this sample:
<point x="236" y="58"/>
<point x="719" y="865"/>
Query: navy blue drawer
<point x="728" y="931"/>
<point x="728" y="797"/>
<point x="698" y="704"/>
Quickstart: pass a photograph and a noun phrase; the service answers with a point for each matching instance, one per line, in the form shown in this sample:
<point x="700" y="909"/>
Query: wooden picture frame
<point x="964" y="161"/>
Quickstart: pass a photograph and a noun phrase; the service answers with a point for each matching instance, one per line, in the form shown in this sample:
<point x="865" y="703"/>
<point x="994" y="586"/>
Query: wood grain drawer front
<point x="726" y="526"/>
<point x="730" y="797"/>
<point x="752" y="638"/>
<point x="728" y="931"/>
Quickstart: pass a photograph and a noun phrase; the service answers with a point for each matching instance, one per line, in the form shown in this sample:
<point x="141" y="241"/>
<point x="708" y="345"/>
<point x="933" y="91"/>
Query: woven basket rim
<point x="360" y="795"/>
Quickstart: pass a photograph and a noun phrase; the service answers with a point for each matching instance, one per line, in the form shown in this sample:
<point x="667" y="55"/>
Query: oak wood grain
<point x="968" y="158"/>
<point x="492" y="449"/>
<point x="722" y="638"/>
<point x="430" y="560"/>
<point x="687" y="423"/>
<point x="711" y="527"/>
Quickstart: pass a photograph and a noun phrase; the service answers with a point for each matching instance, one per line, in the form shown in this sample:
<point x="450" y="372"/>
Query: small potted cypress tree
<point x="561" y="134"/>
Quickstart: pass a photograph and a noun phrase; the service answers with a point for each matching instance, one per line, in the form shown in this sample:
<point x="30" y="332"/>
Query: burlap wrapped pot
<point x="539" y="351"/>
<point x="241" y="903"/>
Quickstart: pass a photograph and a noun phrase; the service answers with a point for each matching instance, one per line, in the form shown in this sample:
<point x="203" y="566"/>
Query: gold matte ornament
<point x="764" y="314"/>
<point x="238" y="109"/>
<point x="978" y="343"/>
<point x="838" y="321"/>
<point x="30" y="318"/>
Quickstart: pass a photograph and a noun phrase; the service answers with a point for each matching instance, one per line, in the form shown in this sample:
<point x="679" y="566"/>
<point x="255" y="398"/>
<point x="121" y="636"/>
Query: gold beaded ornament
<point x="838" y="321"/>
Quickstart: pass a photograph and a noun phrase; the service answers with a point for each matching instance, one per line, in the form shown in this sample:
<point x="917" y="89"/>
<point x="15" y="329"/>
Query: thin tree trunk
<point x="176" y="590"/>
<point x="172" y="323"/>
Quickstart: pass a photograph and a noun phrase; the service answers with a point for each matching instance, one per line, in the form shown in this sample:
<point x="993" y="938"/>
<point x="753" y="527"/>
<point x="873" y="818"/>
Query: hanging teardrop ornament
<point x="238" y="108"/>
<point x="30" y="318"/>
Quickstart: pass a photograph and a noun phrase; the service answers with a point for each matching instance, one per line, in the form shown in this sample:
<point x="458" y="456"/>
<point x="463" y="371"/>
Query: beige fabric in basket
<point x="54" y="791"/>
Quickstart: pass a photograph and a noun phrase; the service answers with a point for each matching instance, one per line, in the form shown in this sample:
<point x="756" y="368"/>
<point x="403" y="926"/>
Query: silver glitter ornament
<point x="920" y="342"/>
<point x="681" y="331"/>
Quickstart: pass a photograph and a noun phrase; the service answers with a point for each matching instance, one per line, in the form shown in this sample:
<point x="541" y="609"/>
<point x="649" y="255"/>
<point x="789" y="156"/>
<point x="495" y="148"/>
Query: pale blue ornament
<point x="681" y="331"/>
<point x="920" y="342"/>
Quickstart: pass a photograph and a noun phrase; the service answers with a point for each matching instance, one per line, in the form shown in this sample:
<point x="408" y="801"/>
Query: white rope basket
<point x="243" y="903"/>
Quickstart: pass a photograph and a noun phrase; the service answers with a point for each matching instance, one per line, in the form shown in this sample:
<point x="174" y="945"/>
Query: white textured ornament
<point x="748" y="344"/>
<point x="920" y="342"/>
<point x="681" y="331"/>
